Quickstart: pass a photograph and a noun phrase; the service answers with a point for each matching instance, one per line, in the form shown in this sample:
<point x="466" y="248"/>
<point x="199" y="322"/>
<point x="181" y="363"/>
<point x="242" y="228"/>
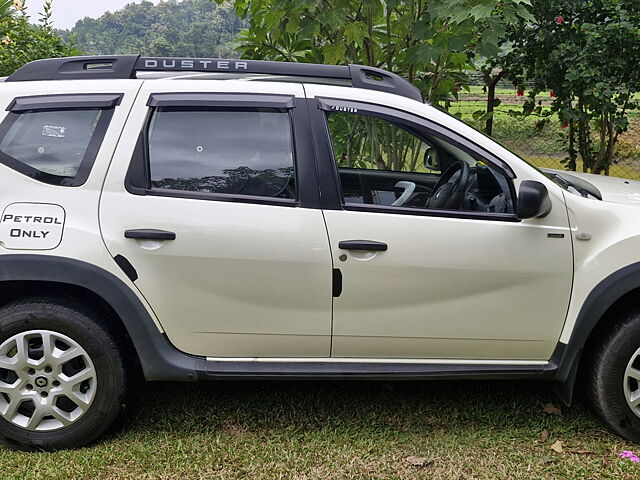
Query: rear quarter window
<point x="57" y="147"/>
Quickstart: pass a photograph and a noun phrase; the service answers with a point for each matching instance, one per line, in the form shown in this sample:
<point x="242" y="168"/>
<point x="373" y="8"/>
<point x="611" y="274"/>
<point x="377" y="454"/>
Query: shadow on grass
<point x="373" y="407"/>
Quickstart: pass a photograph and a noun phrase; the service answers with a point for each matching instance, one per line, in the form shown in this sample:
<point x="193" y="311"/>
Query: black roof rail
<point x="77" y="68"/>
<point x="126" y="66"/>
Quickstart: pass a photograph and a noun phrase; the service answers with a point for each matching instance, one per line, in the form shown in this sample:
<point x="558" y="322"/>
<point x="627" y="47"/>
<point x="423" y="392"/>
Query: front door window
<point x="391" y="164"/>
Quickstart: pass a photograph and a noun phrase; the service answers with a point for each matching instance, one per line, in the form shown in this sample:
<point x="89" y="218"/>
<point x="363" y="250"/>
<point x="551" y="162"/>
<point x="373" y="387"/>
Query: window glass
<point x="391" y="164"/>
<point x="51" y="142"/>
<point x="215" y="151"/>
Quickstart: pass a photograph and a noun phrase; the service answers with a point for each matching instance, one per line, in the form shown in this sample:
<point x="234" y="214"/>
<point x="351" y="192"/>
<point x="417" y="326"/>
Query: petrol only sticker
<point x="31" y="226"/>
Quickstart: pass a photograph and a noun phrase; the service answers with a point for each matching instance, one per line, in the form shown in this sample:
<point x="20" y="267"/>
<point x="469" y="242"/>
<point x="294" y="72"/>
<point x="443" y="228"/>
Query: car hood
<point x="613" y="189"/>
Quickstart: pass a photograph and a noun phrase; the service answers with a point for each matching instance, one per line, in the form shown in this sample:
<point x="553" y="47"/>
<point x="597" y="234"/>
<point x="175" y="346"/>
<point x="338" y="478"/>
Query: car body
<point x="219" y="218"/>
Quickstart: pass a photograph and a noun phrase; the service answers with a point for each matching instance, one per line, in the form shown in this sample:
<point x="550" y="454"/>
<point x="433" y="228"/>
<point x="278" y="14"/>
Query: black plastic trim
<point x="223" y="100"/>
<point x="307" y="175"/>
<point x="578" y="182"/>
<point x="377" y="79"/>
<point x="77" y="68"/>
<point x="65" y="102"/>
<point x="533" y="200"/>
<point x="126" y="267"/>
<point x="222" y="197"/>
<point x="149" y="234"/>
<point x="329" y="185"/>
<point x="599" y="300"/>
<point x="337" y="282"/>
<point x="214" y="370"/>
<point x="137" y="178"/>
<point x="363" y="245"/>
<point x="426" y="212"/>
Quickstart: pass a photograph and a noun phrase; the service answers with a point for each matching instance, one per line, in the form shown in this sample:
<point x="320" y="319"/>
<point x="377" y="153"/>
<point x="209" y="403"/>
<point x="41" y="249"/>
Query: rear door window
<point x="217" y="151"/>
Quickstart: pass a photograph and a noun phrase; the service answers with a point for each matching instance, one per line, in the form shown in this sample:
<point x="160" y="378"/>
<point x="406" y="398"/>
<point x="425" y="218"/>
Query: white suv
<point x="200" y="219"/>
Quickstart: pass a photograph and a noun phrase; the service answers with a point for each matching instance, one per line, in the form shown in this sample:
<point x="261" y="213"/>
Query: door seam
<point x="333" y="299"/>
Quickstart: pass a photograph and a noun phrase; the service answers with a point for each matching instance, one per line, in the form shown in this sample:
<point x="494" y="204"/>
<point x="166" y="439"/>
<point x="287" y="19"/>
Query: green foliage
<point x="22" y="42"/>
<point x="430" y="42"/>
<point x="587" y="52"/>
<point x="189" y="28"/>
<point x="371" y="143"/>
<point x="7" y="8"/>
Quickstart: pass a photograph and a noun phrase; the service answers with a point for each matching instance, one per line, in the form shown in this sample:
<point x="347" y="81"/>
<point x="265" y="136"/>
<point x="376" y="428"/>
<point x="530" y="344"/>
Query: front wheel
<point x="614" y="383"/>
<point x="62" y="376"/>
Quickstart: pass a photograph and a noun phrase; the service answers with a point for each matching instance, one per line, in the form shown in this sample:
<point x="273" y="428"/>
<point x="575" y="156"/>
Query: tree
<point x="7" y="8"/>
<point x="188" y="28"/>
<point x="492" y="72"/>
<point x="430" y="42"/>
<point x="587" y="52"/>
<point x="22" y="42"/>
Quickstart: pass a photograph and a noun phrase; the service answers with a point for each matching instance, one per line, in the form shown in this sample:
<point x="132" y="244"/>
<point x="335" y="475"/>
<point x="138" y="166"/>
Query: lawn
<point x="323" y="430"/>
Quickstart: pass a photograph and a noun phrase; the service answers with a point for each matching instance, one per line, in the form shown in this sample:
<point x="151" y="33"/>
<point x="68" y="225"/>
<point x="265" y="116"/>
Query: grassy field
<point x="504" y="91"/>
<point x="350" y="430"/>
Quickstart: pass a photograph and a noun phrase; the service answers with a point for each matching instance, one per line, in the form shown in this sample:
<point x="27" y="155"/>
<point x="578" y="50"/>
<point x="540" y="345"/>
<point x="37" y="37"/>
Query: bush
<point x="22" y="42"/>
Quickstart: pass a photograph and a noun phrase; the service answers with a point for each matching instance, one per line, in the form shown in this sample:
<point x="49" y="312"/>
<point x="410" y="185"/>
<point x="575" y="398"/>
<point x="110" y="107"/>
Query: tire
<point x="610" y="383"/>
<point x="64" y="396"/>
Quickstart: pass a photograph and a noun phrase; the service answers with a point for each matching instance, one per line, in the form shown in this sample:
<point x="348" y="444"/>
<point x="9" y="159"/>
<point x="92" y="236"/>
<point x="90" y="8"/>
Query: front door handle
<point x="363" y="245"/>
<point x="149" y="234"/>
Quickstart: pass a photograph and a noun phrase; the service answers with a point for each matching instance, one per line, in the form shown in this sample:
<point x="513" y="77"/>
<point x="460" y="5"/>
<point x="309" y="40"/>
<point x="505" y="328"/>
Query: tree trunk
<point x="491" y="83"/>
<point x="572" y="148"/>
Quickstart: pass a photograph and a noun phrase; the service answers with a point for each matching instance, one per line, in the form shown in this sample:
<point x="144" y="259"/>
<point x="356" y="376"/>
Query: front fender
<point x="603" y="296"/>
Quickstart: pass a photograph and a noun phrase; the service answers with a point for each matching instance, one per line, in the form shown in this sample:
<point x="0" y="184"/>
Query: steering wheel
<point x="449" y="191"/>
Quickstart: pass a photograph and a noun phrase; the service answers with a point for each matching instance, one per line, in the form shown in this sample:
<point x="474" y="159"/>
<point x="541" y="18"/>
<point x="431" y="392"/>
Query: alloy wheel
<point x="47" y="380"/>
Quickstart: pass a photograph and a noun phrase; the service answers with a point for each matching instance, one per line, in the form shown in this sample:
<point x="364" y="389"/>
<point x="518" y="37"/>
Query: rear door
<point x="212" y="199"/>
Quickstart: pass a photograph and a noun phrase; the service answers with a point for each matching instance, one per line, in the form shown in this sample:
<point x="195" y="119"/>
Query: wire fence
<point x="544" y="147"/>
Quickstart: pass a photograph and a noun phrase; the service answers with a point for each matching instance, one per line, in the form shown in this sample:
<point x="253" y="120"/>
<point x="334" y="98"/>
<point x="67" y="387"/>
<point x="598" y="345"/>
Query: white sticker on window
<point x="54" y="131"/>
<point x="31" y="226"/>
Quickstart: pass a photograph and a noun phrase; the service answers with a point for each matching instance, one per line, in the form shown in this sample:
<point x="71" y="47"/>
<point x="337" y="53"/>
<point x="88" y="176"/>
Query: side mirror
<point x="431" y="161"/>
<point x="533" y="200"/>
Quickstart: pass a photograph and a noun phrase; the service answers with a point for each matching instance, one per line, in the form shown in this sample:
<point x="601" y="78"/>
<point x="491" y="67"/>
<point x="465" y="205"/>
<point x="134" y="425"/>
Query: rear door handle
<point x="149" y="234"/>
<point x="364" y="245"/>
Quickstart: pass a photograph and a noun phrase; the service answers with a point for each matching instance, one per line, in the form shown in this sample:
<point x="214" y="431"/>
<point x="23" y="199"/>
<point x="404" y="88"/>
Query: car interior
<point x="432" y="173"/>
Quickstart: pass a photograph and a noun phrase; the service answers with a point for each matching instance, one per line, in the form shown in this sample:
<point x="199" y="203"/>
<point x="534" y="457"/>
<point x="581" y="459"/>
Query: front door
<point x="434" y="262"/>
<point x="212" y="217"/>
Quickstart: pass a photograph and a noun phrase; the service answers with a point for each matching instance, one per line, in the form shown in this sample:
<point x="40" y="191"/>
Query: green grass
<point x="477" y="90"/>
<point x="350" y="430"/>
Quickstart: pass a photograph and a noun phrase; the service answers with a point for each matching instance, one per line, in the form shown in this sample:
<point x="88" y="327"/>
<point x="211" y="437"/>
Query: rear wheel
<point x="62" y="376"/>
<point x="614" y="386"/>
